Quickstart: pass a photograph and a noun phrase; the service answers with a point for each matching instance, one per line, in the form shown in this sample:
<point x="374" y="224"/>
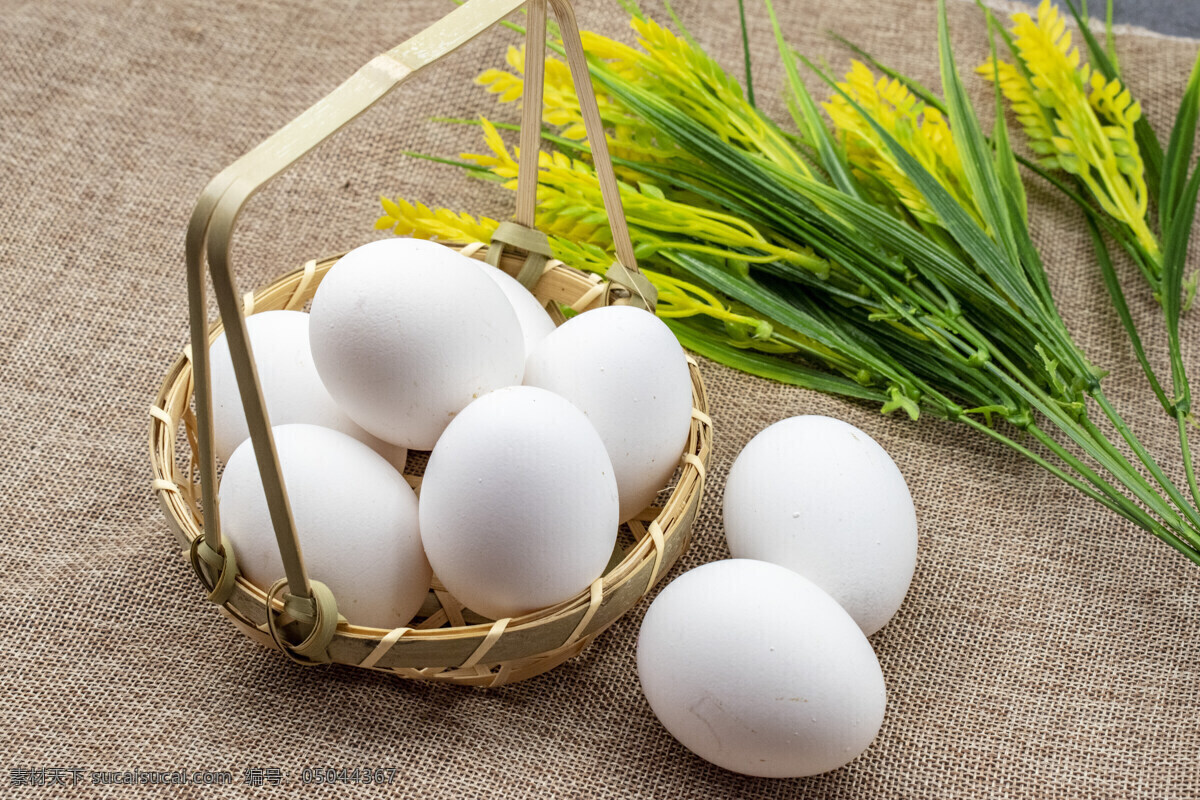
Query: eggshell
<point x="625" y="370"/>
<point x="518" y="503"/>
<point x="822" y="498"/>
<point x="290" y="385"/>
<point x="355" y="516"/>
<point x="754" y="668"/>
<point x="406" y="332"/>
<point x="535" y="320"/>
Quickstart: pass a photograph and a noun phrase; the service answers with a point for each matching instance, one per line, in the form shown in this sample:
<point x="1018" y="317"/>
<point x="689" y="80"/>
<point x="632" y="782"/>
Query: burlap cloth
<point x="1047" y="649"/>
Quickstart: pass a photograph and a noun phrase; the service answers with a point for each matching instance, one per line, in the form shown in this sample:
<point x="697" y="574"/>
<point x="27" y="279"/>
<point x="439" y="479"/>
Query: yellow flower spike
<point x="631" y="138"/>
<point x="1021" y="97"/>
<point x="678" y="298"/>
<point x="515" y="58"/>
<point x="622" y="55"/>
<point x="508" y="86"/>
<point x="406" y="219"/>
<point x="921" y="130"/>
<point x="672" y="68"/>
<point x="1077" y="120"/>
<point x="500" y="163"/>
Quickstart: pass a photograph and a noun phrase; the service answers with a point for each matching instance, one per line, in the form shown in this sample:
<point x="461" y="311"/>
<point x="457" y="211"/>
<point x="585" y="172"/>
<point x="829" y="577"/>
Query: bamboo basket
<point x="298" y="615"/>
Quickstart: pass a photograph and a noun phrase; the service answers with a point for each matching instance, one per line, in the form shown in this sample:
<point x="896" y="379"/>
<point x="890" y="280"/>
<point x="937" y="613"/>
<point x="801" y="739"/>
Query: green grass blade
<point x="808" y="119"/>
<point x="1179" y="151"/>
<point x="1009" y="176"/>
<point x="1110" y="41"/>
<point x="746" y="53"/>
<point x="468" y="166"/>
<point x="975" y="154"/>
<point x="1174" y="259"/>
<point x="1007" y="172"/>
<point x="751" y="293"/>
<point x="771" y="367"/>
<point x="1118" y="298"/>
<point x="796" y="317"/>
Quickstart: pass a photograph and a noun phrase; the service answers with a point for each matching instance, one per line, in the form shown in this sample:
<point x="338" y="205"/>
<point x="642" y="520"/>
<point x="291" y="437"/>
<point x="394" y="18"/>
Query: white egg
<point x="290" y="385"/>
<point x="406" y="332"/>
<point x="822" y="498"/>
<point x="754" y="668"/>
<point x="625" y="370"/>
<point x="535" y="320"/>
<point x="518" y="503"/>
<point x="356" y="519"/>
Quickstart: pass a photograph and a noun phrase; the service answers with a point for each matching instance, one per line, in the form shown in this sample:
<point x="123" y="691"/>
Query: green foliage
<point x="886" y="259"/>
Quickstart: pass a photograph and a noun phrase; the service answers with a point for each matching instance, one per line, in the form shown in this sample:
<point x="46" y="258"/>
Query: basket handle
<point x="210" y="232"/>
<point x="623" y="274"/>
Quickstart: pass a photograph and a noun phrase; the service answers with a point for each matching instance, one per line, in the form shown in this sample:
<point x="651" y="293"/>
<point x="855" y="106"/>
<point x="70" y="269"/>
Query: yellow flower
<point x="1076" y="119"/>
<point x="671" y="67"/>
<point x="676" y="297"/>
<point x="919" y="129"/>
<point x="627" y="136"/>
<point x="570" y="205"/>
<point x="407" y="219"/>
<point x="1038" y="126"/>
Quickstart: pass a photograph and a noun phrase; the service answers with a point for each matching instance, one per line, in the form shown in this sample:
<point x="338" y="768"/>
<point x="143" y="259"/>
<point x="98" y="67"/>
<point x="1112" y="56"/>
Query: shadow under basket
<point x="442" y="644"/>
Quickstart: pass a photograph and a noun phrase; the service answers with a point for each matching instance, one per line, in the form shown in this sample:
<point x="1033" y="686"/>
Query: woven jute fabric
<point x="1046" y="649"/>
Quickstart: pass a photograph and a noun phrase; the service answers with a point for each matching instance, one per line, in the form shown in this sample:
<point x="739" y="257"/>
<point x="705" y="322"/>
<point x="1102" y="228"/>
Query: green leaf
<point x="1007" y="172"/>
<point x="746" y="53"/>
<point x="778" y="308"/>
<point x="1179" y="150"/>
<point x="1110" y="41"/>
<point x="1174" y="258"/>
<point x="1009" y="176"/>
<point x="899" y="400"/>
<point x="1118" y="298"/>
<point x="771" y="367"/>
<point x="808" y="118"/>
<point x="973" y="148"/>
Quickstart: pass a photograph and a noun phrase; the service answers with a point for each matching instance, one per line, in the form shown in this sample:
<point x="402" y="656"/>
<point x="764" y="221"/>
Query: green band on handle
<point x="318" y="614"/>
<point x="630" y="288"/>
<point x="222" y="563"/>
<point x="529" y="240"/>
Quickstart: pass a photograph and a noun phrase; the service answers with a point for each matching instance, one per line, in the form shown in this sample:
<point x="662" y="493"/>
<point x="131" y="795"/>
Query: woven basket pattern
<point x="446" y="642"/>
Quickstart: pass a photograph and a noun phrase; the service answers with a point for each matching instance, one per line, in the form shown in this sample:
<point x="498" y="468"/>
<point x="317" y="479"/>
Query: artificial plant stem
<point x="1122" y="308"/>
<point x="1091" y="440"/>
<point x="1134" y="513"/>
<point x="1109" y="497"/>
<point x="1119" y="465"/>
<point x="746" y="53"/>
<point x="1144" y="456"/>
<point x="1186" y="451"/>
<point x="1096" y="445"/>
<point x="1192" y="531"/>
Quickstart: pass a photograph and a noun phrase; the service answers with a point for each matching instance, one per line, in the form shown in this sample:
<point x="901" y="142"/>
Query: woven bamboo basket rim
<point x="526" y="645"/>
<point x="304" y="623"/>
